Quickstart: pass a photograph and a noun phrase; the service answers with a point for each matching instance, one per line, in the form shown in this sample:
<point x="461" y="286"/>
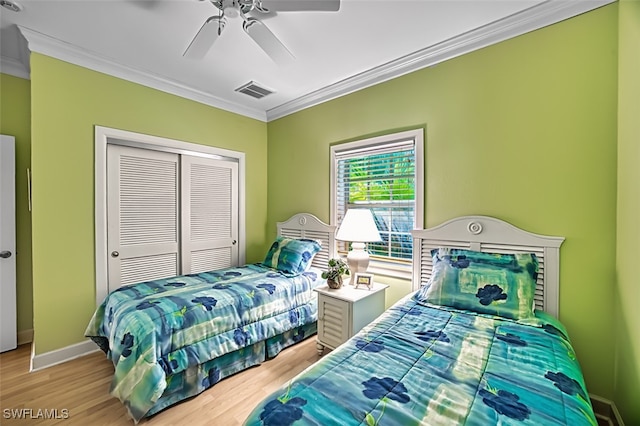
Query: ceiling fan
<point x="212" y="28"/>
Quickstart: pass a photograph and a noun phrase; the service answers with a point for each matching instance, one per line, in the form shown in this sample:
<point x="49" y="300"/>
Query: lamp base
<point x="358" y="260"/>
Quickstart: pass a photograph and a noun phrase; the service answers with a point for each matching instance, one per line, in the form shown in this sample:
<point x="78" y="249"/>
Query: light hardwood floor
<point x="81" y="387"/>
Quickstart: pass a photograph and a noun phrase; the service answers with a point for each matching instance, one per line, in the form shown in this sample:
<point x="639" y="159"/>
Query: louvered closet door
<point x="209" y="214"/>
<point x="142" y="215"/>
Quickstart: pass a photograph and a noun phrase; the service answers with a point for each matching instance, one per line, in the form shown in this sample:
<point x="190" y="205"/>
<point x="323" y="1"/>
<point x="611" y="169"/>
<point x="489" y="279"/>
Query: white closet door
<point x="209" y="214"/>
<point x="8" y="322"/>
<point x="143" y="215"/>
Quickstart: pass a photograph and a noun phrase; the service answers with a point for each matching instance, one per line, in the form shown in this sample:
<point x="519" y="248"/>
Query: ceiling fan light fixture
<point x="253" y="26"/>
<point x="231" y="11"/>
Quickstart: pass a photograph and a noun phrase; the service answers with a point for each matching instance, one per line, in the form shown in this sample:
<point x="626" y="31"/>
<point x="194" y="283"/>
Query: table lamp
<point x="358" y="227"/>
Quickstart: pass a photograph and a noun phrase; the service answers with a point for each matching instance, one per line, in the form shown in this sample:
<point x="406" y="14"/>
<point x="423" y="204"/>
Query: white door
<point x="8" y="324"/>
<point x="142" y="215"/>
<point x="209" y="214"/>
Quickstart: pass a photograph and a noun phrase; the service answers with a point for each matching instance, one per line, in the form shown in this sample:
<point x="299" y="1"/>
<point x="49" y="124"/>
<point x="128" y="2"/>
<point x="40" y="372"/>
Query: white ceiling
<point x="365" y="42"/>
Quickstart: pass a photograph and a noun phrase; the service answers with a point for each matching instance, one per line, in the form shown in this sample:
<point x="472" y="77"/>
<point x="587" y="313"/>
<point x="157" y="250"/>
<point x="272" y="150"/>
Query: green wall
<point x="67" y="101"/>
<point x="524" y="130"/>
<point x="627" y="361"/>
<point x="15" y="112"/>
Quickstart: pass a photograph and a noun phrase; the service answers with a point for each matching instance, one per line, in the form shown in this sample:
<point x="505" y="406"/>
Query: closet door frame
<point x="105" y="136"/>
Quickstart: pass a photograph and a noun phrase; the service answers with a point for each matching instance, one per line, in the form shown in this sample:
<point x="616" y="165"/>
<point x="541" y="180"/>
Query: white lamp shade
<point x="358" y="226"/>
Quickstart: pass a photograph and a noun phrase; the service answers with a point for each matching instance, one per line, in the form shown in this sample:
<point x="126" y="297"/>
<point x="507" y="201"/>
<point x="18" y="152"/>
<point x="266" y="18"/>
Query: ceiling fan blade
<point x="261" y="14"/>
<point x="301" y="5"/>
<point x="267" y="41"/>
<point x="206" y="36"/>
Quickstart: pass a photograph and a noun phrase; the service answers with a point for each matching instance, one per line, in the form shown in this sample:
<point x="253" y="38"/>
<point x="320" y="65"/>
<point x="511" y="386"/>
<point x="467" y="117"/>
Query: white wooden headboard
<point x="488" y="234"/>
<point x="306" y="225"/>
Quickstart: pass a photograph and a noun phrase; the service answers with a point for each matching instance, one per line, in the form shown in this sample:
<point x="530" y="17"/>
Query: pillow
<point x="291" y="256"/>
<point x="488" y="283"/>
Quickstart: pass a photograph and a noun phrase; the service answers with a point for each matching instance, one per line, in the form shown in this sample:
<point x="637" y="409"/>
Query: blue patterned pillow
<point x="488" y="283"/>
<point x="291" y="256"/>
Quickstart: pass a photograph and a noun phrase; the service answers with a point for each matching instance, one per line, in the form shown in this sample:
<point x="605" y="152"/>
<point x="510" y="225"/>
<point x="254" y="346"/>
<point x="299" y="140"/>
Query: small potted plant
<point x="336" y="269"/>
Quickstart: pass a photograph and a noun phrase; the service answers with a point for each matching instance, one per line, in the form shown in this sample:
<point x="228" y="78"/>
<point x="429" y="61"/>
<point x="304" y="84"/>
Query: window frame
<point x="387" y="267"/>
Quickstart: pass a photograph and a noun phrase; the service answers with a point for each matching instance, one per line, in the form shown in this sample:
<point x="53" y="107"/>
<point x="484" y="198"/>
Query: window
<point x="384" y="174"/>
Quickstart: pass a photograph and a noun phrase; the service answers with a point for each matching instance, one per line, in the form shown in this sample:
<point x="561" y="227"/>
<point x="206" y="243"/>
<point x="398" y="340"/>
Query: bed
<point x="466" y="347"/>
<point x="170" y="339"/>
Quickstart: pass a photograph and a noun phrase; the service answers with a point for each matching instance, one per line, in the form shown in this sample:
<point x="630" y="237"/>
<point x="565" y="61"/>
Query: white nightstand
<point x="343" y="312"/>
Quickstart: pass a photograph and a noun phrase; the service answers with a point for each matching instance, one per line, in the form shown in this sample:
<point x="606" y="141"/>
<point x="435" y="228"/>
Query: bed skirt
<point x="198" y="378"/>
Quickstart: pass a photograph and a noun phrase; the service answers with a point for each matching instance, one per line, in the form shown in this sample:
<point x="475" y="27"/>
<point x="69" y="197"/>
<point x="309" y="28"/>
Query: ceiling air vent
<point x="254" y="90"/>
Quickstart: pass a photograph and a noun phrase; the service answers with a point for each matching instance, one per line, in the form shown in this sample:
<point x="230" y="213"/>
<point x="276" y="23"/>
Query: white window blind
<point x="383" y="174"/>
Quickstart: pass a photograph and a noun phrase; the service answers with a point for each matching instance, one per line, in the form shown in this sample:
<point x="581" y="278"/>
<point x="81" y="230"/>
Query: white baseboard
<point x="49" y="359"/>
<point x="25" y="336"/>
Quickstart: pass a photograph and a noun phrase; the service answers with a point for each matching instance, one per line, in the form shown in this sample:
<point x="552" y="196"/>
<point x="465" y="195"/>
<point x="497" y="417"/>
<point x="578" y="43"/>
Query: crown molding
<point x="13" y="67"/>
<point x="538" y="16"/>
<point x="17" y="67"/>
<point x="50" y="46"/>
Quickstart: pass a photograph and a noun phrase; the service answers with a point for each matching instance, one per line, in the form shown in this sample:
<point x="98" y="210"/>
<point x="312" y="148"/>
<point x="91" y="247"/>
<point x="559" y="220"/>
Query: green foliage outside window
<point x="384" y="183"/>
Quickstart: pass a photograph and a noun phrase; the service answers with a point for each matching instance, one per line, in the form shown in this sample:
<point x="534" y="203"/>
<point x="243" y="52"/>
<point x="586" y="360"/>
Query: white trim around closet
<point x="105" y="136"/>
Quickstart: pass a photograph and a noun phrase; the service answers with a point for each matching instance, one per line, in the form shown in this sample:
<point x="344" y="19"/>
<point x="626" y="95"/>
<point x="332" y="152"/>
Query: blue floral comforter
<point x="153" y="330"/>
<point x="424" y="365"/>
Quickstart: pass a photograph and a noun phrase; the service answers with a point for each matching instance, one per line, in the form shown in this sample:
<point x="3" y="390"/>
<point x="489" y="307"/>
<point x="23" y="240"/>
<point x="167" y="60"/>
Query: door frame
<point x="105" y="136"/>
